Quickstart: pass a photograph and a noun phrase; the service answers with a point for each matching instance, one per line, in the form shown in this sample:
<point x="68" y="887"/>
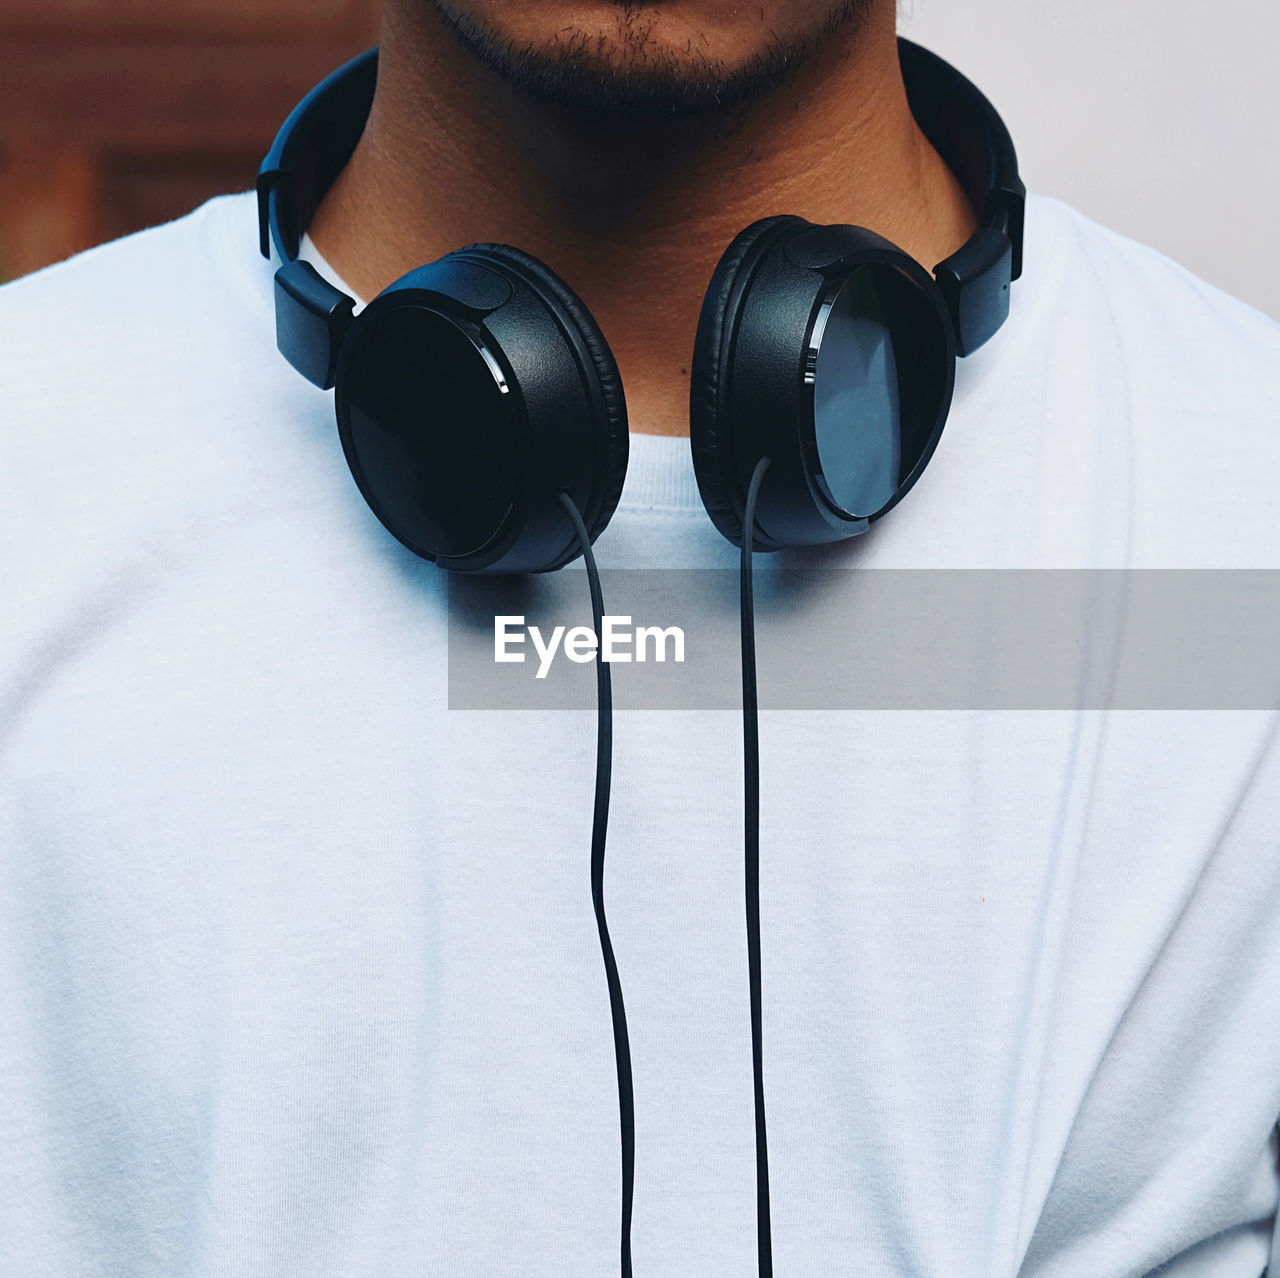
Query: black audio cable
<point x="751" y="828"/>
<point x="599" y="829"/>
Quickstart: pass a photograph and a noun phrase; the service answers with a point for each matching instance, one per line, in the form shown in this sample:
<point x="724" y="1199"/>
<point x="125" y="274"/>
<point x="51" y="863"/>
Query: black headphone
<point x="483" y="418"/>
<point x="477" y="389"/>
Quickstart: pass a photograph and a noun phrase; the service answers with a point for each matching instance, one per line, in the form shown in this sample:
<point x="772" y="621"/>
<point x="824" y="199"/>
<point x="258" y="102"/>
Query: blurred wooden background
<point x="118" y="114"/>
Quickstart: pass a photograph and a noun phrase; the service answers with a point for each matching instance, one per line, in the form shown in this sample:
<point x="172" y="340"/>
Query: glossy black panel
<point x="878" y="387"/>
<point x="433" y="436"/>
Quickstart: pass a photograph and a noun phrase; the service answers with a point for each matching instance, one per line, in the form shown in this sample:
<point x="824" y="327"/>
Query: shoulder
<point x="134" y="299"/>
<point x="1162" y="386"/>
<point x="1167" y="319"/>
<point x="133" y="335"/>
<point x="1125" y="415"/>
<point x="137" y="376"/>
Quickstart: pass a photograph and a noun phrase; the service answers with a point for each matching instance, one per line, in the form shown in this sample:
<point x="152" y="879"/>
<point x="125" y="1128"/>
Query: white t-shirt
<point x="298" y="970"/>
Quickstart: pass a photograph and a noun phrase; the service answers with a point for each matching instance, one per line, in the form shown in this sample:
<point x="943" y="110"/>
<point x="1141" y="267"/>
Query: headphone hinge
<point x="312" y="318"/>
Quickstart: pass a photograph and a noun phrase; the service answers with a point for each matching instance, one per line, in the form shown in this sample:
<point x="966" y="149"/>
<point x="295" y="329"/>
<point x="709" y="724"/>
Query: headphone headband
<point x="322" y="131"/>
<point x="310" y="150"/>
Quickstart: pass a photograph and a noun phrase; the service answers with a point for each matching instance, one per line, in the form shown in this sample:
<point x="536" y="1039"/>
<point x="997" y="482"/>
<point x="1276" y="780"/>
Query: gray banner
<point x="856" y="639"/>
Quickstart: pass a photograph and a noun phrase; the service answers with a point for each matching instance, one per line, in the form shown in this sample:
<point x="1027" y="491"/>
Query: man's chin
<point x="633" y="66"/>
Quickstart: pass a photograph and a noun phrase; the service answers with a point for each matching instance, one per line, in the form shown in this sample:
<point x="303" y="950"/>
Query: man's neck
<point x="634" y="216"/>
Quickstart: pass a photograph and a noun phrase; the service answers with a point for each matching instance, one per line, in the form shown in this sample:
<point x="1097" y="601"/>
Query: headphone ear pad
<point x="612" y="445"/>
<point x="708" y="427"/>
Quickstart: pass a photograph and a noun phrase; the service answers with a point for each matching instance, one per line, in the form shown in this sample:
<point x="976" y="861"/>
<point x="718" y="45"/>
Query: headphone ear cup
<point x="709" y="428"/>
<point x="612" y="439"/>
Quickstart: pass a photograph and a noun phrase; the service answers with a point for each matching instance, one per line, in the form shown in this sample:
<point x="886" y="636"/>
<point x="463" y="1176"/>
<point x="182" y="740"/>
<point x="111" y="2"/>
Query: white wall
<point x="1160" y="118"/>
